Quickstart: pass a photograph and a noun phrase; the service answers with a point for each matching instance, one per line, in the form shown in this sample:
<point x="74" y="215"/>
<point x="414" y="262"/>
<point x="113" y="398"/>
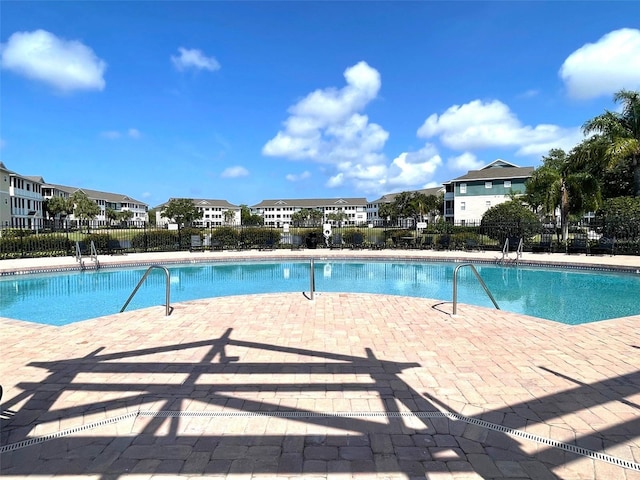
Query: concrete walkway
<point x="344" y="386"/>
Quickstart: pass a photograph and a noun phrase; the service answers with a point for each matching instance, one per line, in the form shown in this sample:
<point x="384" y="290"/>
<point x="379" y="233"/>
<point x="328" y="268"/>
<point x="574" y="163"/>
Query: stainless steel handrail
<point x="455" y="286"/>
<point x="94" y="254"/>
<point x="312" y="280"/>
<point x="168" y="288"/>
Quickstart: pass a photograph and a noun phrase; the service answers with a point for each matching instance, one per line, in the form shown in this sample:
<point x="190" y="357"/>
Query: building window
<point x="463" y="188"/>
<point x="488" y="184"/>
<point x="507" y="184"/>
<point x="488" y="203"/>
<point x="463" y="206"/>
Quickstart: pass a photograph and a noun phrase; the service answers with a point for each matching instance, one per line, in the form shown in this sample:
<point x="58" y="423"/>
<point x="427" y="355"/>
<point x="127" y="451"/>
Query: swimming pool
<point x="567" y="296"/>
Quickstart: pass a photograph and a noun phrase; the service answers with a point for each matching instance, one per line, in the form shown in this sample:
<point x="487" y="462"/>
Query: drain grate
<point x="65" y="433"/>
<point x="289" y="414"/>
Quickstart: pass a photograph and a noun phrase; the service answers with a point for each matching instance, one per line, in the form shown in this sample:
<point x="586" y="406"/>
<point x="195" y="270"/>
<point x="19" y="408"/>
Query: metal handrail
<point x="312" y="280"/>
<point x="455" y="286"/>
<point x="506" y="250"/>
<point x="168" y="288"/>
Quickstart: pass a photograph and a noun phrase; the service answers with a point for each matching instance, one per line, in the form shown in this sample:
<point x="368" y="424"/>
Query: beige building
<point x="213" y="213"/>
<point x="277" y="213"/>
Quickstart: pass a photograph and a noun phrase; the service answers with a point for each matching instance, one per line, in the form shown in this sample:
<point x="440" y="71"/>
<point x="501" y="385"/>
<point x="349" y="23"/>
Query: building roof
<point x="35" y="179"/>
<point x="497" y="170"/>
<point x="390" y="197"/>
<point x="95" y="194"/>
<point x="203" y="202"/>
<point x="313" y="202"/>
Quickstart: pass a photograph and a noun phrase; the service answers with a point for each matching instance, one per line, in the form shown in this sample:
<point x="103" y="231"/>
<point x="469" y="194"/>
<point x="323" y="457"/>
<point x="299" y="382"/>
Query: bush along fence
<point x="15" y="243"/>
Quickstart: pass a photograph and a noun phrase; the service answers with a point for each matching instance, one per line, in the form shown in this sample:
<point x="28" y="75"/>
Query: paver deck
<point x="344" y="386"/>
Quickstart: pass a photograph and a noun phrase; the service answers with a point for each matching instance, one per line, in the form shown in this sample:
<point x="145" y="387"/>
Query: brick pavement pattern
<point x="242" y="383"/>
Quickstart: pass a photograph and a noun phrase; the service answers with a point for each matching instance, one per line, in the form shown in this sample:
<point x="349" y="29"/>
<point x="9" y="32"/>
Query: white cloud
<point x="115" y="134"/>
<point x="66" y="64"/>
<point x="467" y="161"/>
<point x="193" y="58"/>
<point x="412" y="169"/>
<point x="604" y="67"/>
<point x="292" y="177"/>
<point x="478" y="124"/>
<point x="327" y="126"/>
<point x="234" y="172"/>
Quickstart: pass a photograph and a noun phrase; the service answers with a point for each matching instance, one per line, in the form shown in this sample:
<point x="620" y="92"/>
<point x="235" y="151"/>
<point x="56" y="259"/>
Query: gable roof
<point x="202" y="202"/>
<point x="390" y="197"/>
<point x="313" y="202"/>
<point x="96" y="194"/>
<point x="497" y="170"/>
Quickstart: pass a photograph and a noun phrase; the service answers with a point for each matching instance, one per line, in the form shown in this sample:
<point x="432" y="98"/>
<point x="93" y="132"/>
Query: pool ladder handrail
<point x="93" y="255"/>
<point x="455" y="286"/>
<point x="168" y="308"/>
<point x="506" y="249"/>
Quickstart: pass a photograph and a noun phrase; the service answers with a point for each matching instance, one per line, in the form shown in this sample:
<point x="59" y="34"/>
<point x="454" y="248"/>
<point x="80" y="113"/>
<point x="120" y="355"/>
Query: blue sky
<point x="245" y="101"/>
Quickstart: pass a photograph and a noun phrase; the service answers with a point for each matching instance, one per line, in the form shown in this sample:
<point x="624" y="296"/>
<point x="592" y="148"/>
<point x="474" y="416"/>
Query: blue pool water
<point x="567" y="296"/>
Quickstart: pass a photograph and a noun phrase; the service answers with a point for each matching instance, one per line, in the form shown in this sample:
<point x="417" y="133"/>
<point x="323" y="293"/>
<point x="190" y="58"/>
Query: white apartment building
<point x="22" y="201"/>
<point x="105" y="200"/>
<point x="277" y="213"/>
<point x="469" y="196"/>
<point x="213" y="213"/>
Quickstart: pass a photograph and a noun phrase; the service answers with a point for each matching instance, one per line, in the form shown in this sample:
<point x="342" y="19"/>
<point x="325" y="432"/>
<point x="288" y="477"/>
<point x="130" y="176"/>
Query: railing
<point x="168" y="289"/>
<point x="506" y="249"/>
<point x="312" y="280"/>
<point x="455" y="286"/>
<point x="93" y="254"/>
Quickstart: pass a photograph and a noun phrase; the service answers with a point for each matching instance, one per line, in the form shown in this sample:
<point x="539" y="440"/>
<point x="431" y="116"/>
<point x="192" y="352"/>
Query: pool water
<point x="567" y="296"/>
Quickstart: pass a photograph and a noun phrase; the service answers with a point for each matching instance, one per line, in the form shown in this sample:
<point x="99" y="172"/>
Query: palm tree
<point x="617" y="138"/>
<point x="559" y="184"/>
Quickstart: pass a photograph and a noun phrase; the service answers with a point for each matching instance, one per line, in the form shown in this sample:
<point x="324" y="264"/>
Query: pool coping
<point x="27" y="266"/>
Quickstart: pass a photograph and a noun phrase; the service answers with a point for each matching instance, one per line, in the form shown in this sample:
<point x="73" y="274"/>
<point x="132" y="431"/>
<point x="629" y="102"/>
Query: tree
<point x="84" y="208"/>
<point x="58" y="207"/>
<point x="388" y="213"/>
<point x="559" y="184"/>
<point x="111" y="215"/>
<point x="249" y="219"/>
<point x="124" y="216"/>
<point x="617" y="138"/>
<point x="229" y="217"/>
<point x="152" y="216"/>
<point x="182" y="211"/>
<point x="510" y="219"/>
<point x="337" y="217"/>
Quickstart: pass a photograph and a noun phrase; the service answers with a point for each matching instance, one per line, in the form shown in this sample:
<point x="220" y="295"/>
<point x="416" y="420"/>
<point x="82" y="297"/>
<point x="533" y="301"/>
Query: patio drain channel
<point x="286" y="414"/>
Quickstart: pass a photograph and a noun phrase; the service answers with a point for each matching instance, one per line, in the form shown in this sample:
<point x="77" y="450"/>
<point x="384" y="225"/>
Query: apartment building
<point x="467" y="197"/>
<point x="214" y="214"/>
<point x="105" y="200"/>
<point x="22" y="200"/>
<point x="277" y="213"/>
<point x="373" y="207"/>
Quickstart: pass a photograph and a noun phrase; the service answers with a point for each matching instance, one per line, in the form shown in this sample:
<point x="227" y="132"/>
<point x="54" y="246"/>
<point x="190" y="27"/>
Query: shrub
<point x="619" y="217"/>
<point x="227" y="236"/>
<point x="510" y="219"/>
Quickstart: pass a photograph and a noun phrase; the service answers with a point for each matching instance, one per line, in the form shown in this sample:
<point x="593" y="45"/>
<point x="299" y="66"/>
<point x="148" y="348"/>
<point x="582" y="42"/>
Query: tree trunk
<point x="564" y="213"/>
<point x="636" y="176"/>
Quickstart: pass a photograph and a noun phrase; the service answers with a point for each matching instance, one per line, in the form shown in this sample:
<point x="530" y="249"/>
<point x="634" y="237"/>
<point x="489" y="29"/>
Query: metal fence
<point x="16" y="243"/>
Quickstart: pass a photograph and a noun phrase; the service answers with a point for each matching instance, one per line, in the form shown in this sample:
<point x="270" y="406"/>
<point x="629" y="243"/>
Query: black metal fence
<point x="16" y="243"/>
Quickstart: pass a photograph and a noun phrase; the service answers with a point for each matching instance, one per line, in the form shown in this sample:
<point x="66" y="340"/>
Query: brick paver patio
<point x="344" y="386"/>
